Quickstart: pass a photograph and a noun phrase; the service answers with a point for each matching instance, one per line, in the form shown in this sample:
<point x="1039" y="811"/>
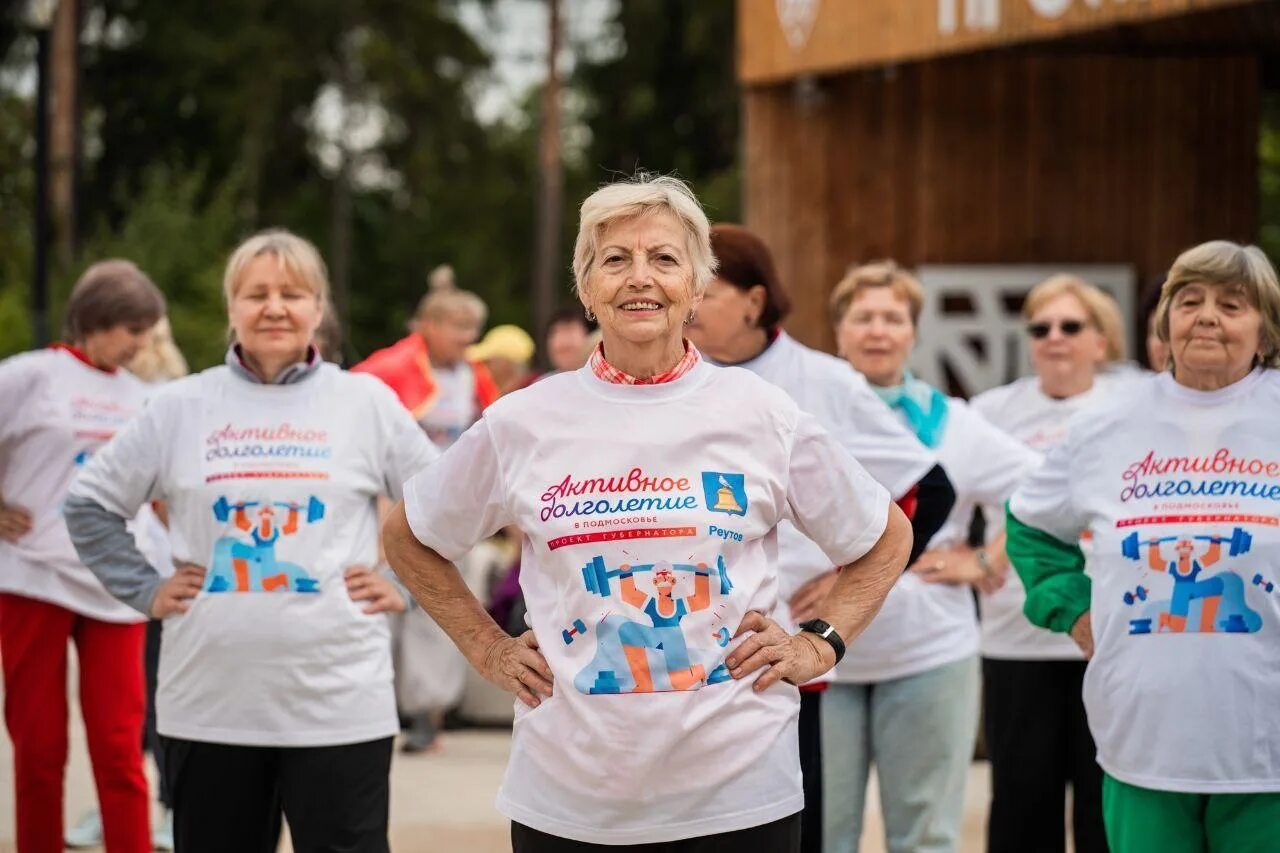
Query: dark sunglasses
<point x="1070" y="328"/>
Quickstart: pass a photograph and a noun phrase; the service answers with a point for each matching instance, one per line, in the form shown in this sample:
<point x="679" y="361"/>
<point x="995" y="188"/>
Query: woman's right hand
<point x="15" y="522"/>
<point x="176" y="592"/>
<point x="516" y="665"/>
<point x="1082" y="633"/>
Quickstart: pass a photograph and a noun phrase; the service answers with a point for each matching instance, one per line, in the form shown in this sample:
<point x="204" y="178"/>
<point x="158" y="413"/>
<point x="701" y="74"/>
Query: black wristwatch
<point x="826" y="632"/>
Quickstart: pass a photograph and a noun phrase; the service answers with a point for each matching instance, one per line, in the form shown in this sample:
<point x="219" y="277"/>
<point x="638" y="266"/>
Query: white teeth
<point x="641" y="306"/>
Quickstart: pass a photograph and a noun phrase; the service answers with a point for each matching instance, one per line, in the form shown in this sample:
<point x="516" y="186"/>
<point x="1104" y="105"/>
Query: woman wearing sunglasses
<point x="1037" y="736"/>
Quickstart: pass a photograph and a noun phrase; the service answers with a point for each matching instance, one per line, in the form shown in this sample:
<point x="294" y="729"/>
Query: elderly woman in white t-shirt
<point x="906" y="699"/>
<point x="274" y="690"/>
<point x="1037" y="735"/>
<point x="1175" y="480"/>
<point x="649" y="713"/>
<point x="740" y="323"/>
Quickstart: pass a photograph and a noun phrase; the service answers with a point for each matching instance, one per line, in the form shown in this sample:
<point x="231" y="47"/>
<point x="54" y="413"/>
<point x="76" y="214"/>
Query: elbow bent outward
<point x="512" y="663"/>
<point x="860" y="588"/>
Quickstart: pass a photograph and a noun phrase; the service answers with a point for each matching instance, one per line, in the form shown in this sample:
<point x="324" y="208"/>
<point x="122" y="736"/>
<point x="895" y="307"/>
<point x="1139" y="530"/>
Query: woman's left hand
<point x="794" y="658"/>
<point x="956" y="566"/>
<point x="365" y="584"/>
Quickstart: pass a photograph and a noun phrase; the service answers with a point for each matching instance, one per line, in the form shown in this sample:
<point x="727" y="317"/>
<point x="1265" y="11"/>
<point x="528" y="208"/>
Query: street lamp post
<point x="39" y="17"/>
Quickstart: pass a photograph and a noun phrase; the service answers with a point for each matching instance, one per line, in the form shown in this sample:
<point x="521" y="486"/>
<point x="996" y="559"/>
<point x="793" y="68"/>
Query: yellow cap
<point x="511" y="342"/>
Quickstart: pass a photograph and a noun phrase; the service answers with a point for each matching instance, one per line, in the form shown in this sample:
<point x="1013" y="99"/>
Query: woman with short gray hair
<point x="1174" y="482"/>
<point x="657" y="696"/>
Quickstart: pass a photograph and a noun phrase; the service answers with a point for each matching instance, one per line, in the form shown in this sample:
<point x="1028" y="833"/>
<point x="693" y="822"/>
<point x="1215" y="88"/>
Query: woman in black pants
<point x="274" y="692"/>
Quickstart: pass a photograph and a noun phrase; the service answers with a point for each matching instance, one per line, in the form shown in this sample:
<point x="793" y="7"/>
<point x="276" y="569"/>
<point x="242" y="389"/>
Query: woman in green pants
<point x="1177" y="480"/>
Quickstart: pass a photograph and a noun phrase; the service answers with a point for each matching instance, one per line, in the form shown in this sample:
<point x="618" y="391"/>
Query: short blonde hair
<point x="885" y="273"/>
<point x="160" y="360"/>
<point x="1103" y="311"/>
<point x="641" y="195"/>
<point x="1226" y="264"/>
<point x="294" y="254"/>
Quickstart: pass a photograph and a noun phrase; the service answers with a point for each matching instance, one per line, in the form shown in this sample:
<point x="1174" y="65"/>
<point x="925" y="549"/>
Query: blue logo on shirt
<point x="725" y="493"/>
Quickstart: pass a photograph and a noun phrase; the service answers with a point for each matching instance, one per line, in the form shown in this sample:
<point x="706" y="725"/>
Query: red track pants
<point x="33" y="646"/>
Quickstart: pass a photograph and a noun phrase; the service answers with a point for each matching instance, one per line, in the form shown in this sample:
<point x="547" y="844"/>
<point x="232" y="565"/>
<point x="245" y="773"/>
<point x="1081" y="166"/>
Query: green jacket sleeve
<point x="1052" y="571"/>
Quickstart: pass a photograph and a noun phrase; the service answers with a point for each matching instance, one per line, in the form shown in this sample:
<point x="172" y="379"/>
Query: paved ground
<point x="443" y="802"/>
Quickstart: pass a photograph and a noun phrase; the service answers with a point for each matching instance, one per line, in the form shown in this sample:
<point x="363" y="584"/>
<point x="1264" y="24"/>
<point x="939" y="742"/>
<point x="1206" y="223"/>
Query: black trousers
<point x="1039" y="743"/>
<point x="781" y="836"/>
<point x="230" y="798"/>
<point x="150" y="737"/>
<point x="811" y="770"/>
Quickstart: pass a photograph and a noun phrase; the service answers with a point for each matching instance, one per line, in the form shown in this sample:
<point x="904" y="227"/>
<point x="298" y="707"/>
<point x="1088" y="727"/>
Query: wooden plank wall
<point x="1000" y="158"/>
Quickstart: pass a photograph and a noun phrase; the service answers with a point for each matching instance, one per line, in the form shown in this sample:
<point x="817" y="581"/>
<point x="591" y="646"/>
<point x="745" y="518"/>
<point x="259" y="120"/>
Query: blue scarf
<point x="924" y="407"/>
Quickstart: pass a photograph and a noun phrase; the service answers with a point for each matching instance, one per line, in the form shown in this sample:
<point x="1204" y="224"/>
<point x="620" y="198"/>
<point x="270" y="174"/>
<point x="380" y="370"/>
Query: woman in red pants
<point x="60" y="405"/>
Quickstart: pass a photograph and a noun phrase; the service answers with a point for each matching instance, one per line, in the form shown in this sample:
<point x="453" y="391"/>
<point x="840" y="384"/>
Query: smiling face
<point x="876" y="335"/>
<point x="273" y="313"/>
<point x="1214" y="332"/>
<point x="640" y="285"/>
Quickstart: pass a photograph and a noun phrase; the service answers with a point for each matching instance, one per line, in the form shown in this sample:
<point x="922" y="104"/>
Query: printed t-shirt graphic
<point x="1180" y="490"/>
<point x="272" y="489"/>
<point x="1200" y="601"/>
<point x="632" y="657"/>
<point x="252" y="525"/>
<point x="240" y="566"/>
<point x="636" y="578"/>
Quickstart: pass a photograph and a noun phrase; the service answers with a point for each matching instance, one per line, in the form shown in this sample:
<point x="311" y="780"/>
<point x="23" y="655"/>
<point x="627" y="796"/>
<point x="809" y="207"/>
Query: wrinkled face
<point x="640" y="286"/>
<point x="273" y="313"/>
<point x="1214" y="329"/>
<point x="876" y="335"/>
<point x="111" y="348"/>
<point x="1064" y="339"/>
<point x="567" y="345"/>
<point x="449" y="335"/>
<point x="726" y="313"/>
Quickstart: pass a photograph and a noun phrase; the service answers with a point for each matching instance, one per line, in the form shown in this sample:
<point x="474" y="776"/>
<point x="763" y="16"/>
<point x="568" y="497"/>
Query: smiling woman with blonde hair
<point x="648" y="486"/>
<point x="274" y="690"/>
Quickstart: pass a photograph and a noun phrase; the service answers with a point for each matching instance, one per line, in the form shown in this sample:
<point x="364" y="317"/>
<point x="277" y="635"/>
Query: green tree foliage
<point x="1269" y="177"/>
<point x="667" y="101"/>
<point x="200" y="126"/>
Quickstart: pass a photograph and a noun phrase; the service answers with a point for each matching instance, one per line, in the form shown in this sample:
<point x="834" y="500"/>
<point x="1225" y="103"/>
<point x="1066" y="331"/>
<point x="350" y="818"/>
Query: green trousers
<point x="1143" y="820"/>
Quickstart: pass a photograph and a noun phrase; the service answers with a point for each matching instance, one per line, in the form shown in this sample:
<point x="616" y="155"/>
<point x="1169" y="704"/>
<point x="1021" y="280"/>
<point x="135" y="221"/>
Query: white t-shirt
<point x="923" y="625"/>
<point x="616" y="488"/>
<point x="272" y="488"/>
<point x="1025" y="412"/>
<point x="840" y="400"/>
<point x="58" y="412"/>
<point x="454" y="408"/>
<point x="1183" y="689"/>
